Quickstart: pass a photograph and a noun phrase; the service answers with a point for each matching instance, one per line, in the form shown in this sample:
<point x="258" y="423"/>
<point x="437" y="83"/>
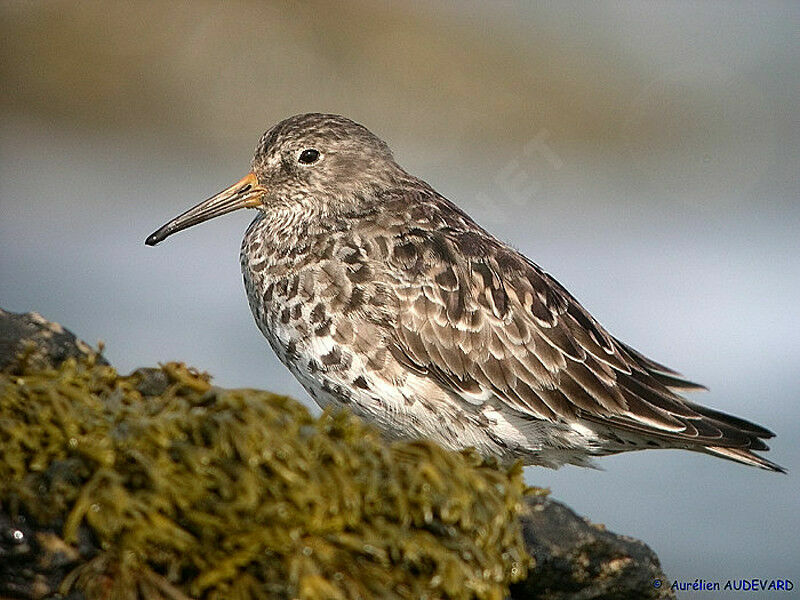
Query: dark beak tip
<point x="237" y="196"/>
<point x="153" y="239"/>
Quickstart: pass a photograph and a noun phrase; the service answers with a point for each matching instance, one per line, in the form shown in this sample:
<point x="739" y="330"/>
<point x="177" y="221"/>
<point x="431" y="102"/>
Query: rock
<point x="576" y="559"/>
<point x="33" y="560"/>
<point x="48" y="343"/>
<point x="572" y="558"/>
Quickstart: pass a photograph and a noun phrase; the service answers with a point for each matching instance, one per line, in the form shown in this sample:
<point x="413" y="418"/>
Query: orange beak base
<point x="245" y="193"/>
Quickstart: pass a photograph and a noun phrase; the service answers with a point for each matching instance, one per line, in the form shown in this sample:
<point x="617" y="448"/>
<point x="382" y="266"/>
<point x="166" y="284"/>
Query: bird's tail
<point x="743" y="456"/>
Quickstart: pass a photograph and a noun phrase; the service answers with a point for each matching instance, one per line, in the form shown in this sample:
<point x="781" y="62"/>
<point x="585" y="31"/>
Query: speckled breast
<point x="315" y="301"/>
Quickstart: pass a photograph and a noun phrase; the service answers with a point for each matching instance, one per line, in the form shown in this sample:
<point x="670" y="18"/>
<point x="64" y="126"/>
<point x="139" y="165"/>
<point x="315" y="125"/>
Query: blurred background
<point x="646" y="154"/>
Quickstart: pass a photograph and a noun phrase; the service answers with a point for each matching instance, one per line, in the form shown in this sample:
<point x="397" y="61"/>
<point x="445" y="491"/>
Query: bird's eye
<point x="309" y="156"/>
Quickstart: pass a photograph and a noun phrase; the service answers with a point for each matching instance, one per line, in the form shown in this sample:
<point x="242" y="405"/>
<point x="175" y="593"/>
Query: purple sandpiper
<point x="381" y="295"/>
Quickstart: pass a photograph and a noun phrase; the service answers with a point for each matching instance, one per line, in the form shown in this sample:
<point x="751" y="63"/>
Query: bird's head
<point x="318" y="163"/>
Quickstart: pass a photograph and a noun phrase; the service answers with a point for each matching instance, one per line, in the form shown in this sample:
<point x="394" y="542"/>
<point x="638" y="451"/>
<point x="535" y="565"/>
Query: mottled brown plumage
<point x="380" y="294"/>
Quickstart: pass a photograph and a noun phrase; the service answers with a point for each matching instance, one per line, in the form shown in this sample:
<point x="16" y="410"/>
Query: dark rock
<point x="153" y="381"/>
<point x="577" y="560"/>
<point x="42" y="342"/>
<point x="33" y="560"/>
<point x="18" y="548"/>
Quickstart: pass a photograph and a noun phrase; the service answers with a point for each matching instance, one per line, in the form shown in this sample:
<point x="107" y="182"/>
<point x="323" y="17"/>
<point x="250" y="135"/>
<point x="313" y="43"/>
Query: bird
<point x="381" y="295"/>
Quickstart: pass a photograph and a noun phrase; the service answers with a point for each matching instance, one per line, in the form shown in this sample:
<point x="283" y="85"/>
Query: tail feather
<point x="659" y="388"/>
<point x="709" y="431"/>
<point x="742" y="456"/>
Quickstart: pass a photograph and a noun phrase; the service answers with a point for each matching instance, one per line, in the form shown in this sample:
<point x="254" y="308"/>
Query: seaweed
<point x="193" y="491"/>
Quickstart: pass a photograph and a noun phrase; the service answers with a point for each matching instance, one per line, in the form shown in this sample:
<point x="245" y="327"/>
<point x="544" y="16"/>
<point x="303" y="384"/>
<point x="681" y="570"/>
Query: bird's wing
<point x="483" y="321"/>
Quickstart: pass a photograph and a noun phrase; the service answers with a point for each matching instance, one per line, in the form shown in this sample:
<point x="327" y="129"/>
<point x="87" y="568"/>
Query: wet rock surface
<point x="572" y="559"/>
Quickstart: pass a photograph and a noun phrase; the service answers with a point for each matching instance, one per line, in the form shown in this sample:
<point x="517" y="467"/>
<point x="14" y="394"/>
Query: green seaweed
<point x="193" y="491"/>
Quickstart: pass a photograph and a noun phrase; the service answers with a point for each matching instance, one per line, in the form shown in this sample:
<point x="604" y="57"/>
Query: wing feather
<point x="483" y="321"/>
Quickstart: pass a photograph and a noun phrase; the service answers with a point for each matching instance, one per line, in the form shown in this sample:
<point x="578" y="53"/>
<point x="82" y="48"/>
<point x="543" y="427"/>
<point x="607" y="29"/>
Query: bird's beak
<point x="245" y="193"/>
